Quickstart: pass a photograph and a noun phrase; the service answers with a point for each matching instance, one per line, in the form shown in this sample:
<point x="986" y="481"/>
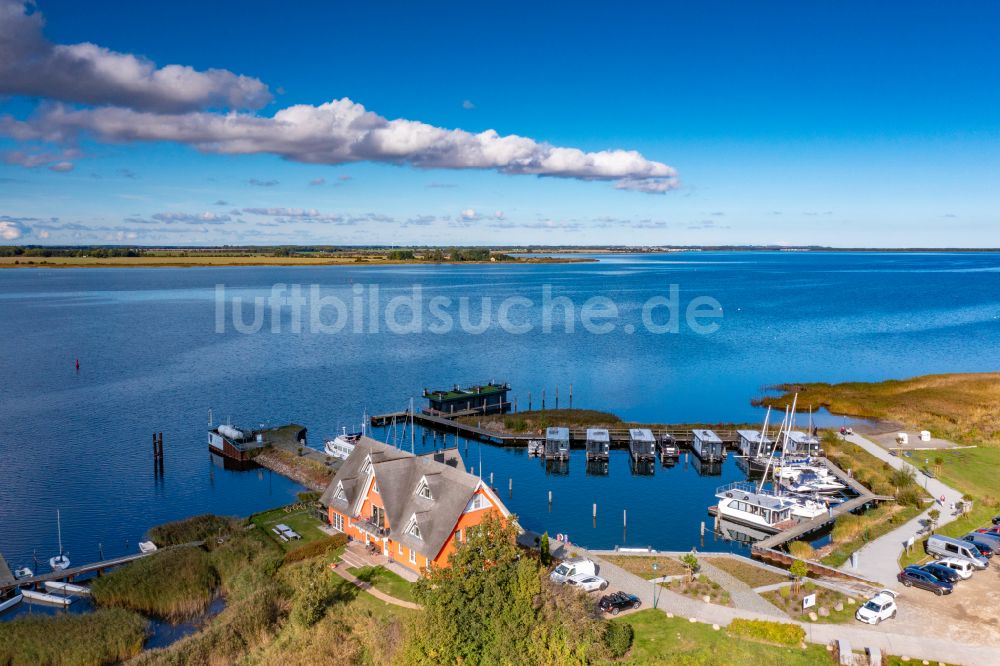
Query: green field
<point x="642" y="565"/>
<point x="302" y="520"/>
<point x="663" y="640"/>
<point x="749" y="573"/>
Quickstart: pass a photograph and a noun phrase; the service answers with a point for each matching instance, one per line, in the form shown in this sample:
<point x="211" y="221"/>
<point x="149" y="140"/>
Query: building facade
<point x="415" y="509"/>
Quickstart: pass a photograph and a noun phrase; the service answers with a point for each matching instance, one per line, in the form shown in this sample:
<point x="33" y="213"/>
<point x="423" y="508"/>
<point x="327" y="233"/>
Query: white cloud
<point x="318" y="181"/>
<point x="11" y="229"/>
<point x="498" y="215"/>
<point x="343" y="131"/>
<point x="191" y="218"/>
<point x="61" y="167"/>
<point x="91" y="74"/>
<point x="469" y="215"/>
<point x="468" y="105"/>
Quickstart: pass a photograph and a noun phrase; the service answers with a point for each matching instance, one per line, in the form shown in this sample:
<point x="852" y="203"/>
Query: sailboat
<point x="60" y="561"/>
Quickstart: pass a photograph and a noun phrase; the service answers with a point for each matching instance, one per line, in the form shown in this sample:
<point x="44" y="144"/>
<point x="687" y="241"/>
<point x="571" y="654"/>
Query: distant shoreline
<point x="252" y="261"/>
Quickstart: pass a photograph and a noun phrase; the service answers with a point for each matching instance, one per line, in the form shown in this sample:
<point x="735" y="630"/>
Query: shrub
<point x="618" y="638"/>
<point x="198" y="528"/>
<point x="543" y="550"/>
<point x="768" y="632"/>
<point x="315" y="548"/>
<point x="309" y="496"/>
<point x="785" y="592"/>
<point x="909" y="496"/>
<point x="801" y="550"/>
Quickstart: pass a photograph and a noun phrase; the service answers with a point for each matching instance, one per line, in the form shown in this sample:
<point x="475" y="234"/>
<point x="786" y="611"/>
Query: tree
<point x="543" y="550"/>
<point x="938" y="462"/>
<point x="933" y="516"/>
<point x="799" y="570"/>
<point x="690" y="563"/>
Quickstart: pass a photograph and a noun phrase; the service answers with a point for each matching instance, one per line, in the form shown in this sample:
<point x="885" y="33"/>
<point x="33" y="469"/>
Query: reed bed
<point x="106" y="636"/>
<point x="197" y="528"/>
<point x="174" y="585"/>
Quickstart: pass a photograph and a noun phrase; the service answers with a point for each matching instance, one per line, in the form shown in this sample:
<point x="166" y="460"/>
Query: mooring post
<point x="550" y="497"/>
<point x="595" y="510"/>
<point x="571" y="395"/>
<point x="491" y="479"/>
<point x="557" y="396"/>
<point x="510" y="487"/>
<point x="529" y="401"/>
<point x="543" y="400"/>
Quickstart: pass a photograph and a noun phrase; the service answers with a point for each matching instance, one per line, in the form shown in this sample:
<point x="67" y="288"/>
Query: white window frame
<point x="338" y="522"/>
<point x="477" y="503"/>
<point x="458" y="536"/>
<point x="413" y="556"/>
<point x="399" y="547"/>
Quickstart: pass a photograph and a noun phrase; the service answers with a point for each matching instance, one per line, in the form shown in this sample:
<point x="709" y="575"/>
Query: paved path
<point x="922" y="646"/>
<point x="742" y="595"/>
<point x="879" y="559"/>
<point x="342" y="571"/>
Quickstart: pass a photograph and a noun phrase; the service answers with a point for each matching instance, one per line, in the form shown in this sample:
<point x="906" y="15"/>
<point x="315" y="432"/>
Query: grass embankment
<point x="386" y="581"/>
<point x="749" y="573"/>
<point x="790" y="601"/>
<point x="304" y="469"/>
<point x="852" y="531"/>
<point x="699" y="587"/>
<point x="105" y="636"/>
<point x="205" y="527"/>
<point x="538" y="420"/>
<point x="173" y="584"/>
<point x="300" y="518"/>
<point x="642" y="565"/>
<point x="663" y="640"/>
<point x="959" y="406"/>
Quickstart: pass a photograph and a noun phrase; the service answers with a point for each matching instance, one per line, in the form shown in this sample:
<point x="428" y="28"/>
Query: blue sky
<point x="834" y="123"/>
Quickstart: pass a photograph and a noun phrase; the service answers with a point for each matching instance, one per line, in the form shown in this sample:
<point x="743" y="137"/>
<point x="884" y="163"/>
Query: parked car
<point x="617" y="602"/>
<point x="916" y="577"/>
<point x="989" y="530"/>
<point x="572" y="567"/>
<point x="880" y="607"/>
<point x="942" y="572"/>
<point x="985" y="547"/>
<point x="996" y="520"/>
<point x="990" y="538"/>
<point x="945" y="546"/>
<point x="960" y="566"/>
<point x="587" y="582"/>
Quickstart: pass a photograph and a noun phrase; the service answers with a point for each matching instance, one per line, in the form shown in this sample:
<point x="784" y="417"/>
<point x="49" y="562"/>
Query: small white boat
<point x="60" y="561"/>
<point x="10" y="598"/>
<point x="147" y="547"/>
<point x="22" y="573"/>
<point x="744" y="504"/>
<point x="342" y="445"/>
<point x="58" y="587"/>
<point x="535" y="447"/>
<point x="46" y="598"/>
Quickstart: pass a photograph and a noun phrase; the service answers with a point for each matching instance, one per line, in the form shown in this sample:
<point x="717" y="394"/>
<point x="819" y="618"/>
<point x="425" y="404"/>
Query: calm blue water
<point x="152" y="361"/>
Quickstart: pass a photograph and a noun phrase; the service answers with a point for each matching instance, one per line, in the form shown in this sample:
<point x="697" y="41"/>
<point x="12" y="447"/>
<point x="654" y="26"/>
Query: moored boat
<point x="47" y="598"/>
<point x="10" y="598"/>
<point x="342" y="445"/>
<point x="59" y="587"/>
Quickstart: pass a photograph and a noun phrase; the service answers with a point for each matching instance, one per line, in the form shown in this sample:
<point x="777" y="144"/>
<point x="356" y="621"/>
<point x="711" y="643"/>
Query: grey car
<point x="992" y="540"/>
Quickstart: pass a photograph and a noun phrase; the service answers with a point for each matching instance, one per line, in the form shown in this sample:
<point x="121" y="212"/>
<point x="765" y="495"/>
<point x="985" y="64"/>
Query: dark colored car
<point x="917" y="577"/>
<point x="617" y="602"/>
<point x="996" y="520"/>
<point x="989" y="530"/>
<point x="941" y="572"/>
<point x="985" y="548"/>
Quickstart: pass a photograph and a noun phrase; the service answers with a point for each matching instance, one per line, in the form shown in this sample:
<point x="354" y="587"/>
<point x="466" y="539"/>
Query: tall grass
<point x="197" y="528"/>
<point x="173" y="584"/>
<point x="106" y="636"/>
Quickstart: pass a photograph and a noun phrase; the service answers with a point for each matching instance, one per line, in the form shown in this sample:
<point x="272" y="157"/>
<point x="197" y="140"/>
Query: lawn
<point x="749" y="573"/>
<point x="642" y="565"/>
<point x="385" y="581"/>
<point x="701" y="586"/>
<point x="957" y="406"/>
<point x="791" y="602"/>
<point x="303" y="521"/>
<point x="973" y="471"/>
<point x="663" y="640"/>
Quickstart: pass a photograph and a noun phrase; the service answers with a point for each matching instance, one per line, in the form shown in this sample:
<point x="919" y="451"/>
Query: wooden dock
<point x="619" y="437"/>
<point x="74" y="572"/>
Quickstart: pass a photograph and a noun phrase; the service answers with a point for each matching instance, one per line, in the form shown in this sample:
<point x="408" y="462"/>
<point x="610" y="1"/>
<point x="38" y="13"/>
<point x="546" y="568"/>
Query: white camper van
<point x="942" y="546"/>
<point x="572" y="567"/>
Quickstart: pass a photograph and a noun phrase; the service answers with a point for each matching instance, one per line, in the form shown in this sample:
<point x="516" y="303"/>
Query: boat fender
<point x="746" y="497"/>
<point x="729" y="494"/>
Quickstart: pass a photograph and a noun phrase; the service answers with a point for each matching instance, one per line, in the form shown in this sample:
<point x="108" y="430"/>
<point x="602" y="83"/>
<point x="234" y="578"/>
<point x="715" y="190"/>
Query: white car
<point x="587" y="582"/>
<point x="960" y="566"/>
<point x="880" y="607"/>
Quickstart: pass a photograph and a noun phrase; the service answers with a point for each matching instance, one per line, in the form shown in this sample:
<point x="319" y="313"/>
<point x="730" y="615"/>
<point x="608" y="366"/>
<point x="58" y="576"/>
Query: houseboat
<point x="799" y="443"/>
<point x="485" y="398"/>
<point x="707" y="446"/>
<point x="234" y="443"/>
<point x="598" y="444"/>
<point x="557" y="443"/>
<point x="342" y="445"/>
<point x="741" y="503"/>
<point x="754" y="444"/>
<point x="641" y="444"/>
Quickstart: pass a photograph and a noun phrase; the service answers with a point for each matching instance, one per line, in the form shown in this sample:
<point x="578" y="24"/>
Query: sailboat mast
<point x="59" y="529"/>
<point x="413" y="433"/>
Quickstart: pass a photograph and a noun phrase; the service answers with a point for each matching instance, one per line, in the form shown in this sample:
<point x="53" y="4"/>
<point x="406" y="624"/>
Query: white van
<point x="962" y="567"/>
<point x="943" y="546"/>
<point x="572" y="567"/>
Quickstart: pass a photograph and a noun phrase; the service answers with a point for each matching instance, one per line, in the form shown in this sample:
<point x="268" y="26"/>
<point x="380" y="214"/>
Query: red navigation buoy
<point x="77" y="364"/>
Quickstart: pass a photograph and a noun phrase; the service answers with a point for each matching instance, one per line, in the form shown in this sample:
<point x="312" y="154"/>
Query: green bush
<point x="315" y="548"/>
<point x="768" y="632"/>
<point x="106" y="636"/>
<point x="801" y="550"/>
<point x="785" y="592"/>
<point x="309" y="496"/>
<point x="618" y="638"/>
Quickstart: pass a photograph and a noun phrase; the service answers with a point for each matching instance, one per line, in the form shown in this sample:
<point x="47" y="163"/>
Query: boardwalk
<point x="73" y="572"/>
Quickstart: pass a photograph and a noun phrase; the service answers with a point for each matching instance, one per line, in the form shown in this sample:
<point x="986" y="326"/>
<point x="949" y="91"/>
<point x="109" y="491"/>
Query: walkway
<point x="375" y="592"/>
<point x="879" y="559"/>
<point x="742" y="595"/>
<point x="922" y="646"/>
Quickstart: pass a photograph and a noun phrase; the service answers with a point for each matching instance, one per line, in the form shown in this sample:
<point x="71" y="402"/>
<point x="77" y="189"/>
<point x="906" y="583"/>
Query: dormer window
<point x="413" y="529"/>
<point x="477" y="503"/>
<point x="424" y="489"/>
<point x="340" y="494"/>
<point x="367" y="466"/>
